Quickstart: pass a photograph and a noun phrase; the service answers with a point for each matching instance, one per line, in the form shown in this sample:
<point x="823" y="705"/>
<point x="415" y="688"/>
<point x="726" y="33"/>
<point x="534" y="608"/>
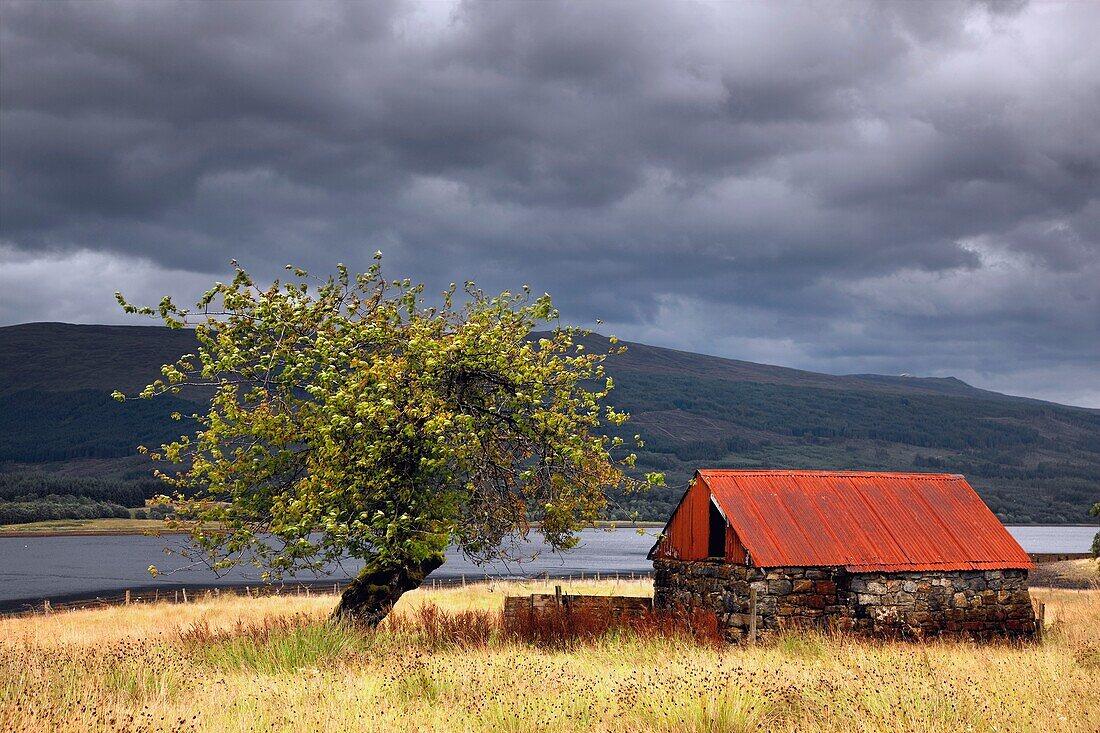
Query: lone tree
<point x="347" y="418"/>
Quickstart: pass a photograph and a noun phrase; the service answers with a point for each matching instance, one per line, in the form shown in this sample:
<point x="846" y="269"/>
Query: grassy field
<point x="82" y="527"/>
<point x="1067" y="574"/>
<point x="237" y="664"/>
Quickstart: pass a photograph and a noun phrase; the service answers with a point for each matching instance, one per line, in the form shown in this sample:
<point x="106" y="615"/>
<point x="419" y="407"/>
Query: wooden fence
<point x="1044" y="557"/>
<point x="175" y="595"/>
<point x="617" y="606"/>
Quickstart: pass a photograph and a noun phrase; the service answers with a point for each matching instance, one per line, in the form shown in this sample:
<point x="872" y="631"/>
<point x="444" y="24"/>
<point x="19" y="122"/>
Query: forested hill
<point x="1031" y="461"/>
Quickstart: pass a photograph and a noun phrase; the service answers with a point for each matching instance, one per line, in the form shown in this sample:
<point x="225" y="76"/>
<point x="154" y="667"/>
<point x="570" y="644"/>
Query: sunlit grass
<point x="237" y="664"/>
<point x="112" y="525"/>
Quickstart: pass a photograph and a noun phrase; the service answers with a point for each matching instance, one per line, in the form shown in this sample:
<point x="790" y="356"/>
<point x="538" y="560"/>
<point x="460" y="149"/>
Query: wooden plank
<point x="752" y="615"/>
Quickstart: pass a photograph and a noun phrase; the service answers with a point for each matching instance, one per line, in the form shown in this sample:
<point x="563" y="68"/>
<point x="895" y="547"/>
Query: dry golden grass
<point x="1083" y="573"/>
<point x="238" y="664"/>
<point x="110" y="526"/>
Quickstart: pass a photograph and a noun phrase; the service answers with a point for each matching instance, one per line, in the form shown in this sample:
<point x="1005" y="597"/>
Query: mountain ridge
<point x="1032" y="461"/>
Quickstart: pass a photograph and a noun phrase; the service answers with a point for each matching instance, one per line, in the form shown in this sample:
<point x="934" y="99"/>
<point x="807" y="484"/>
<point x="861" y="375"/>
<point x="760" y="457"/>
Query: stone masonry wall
<point x="973" y="603"/>
<point x="979" y="603"/>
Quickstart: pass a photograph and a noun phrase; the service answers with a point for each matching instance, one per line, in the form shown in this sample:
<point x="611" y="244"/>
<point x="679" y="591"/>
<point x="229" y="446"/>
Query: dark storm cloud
<point x="889" y="187"/>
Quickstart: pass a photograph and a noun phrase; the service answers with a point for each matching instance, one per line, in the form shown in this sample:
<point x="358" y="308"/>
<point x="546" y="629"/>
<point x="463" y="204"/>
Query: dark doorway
<point x="716" y="536"/>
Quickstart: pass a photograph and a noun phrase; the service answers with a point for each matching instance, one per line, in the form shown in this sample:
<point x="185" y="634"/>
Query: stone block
<point x="739" y="619"/>
<point x="917" y="618"/>
<point x="779" y="587"/>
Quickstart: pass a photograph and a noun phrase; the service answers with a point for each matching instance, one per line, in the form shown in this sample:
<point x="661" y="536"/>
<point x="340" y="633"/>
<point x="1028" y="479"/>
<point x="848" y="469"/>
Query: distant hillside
<point x="1031" y="461"/>
<point x="63" y="357"/>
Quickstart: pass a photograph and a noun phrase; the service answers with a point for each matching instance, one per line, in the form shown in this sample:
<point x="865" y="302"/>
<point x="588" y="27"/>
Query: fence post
<point x="1040" y="619"/>
<point x="184" y="590"/>
<point x="127" y="598"/>
<point x="752" y="615"/>
<point x="557" y="595"/>
<point x="46" y="607"/>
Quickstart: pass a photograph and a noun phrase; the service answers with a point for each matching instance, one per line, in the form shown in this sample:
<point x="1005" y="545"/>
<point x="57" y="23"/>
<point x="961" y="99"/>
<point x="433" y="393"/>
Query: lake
<point x="57" y="568"/>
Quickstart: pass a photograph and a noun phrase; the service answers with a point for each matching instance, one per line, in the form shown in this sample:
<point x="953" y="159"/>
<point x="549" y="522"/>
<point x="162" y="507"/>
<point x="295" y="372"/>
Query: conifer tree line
<point x="37" y="497"/>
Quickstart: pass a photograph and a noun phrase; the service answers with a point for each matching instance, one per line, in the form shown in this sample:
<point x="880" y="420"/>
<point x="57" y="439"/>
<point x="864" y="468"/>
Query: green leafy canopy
<point x="349" y="418"/>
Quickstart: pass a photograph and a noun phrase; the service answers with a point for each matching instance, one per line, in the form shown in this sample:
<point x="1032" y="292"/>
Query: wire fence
<point x="194" y="594"/>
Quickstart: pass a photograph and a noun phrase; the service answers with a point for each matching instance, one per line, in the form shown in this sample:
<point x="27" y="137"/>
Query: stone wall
<point x="973" y="603"/>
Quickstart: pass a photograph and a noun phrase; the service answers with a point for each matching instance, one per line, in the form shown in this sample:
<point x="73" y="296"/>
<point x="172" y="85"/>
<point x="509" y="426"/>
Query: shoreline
<point x="159" y="593"/>
<point x="15" y="534"/>
<point x="63" y="603"/>
<point x="92" y="531"/>
<point x="5" y="532"/>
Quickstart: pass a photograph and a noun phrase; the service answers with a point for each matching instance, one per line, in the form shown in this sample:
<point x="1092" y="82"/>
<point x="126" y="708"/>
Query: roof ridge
<point x="815" y="472"/>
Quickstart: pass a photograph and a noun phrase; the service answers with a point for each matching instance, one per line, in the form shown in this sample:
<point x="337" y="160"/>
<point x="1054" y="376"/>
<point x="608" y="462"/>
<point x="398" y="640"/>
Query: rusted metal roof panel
<point x="864" y="522"/>
<point x="735" y="551"/>
<point x="685" y="536"/>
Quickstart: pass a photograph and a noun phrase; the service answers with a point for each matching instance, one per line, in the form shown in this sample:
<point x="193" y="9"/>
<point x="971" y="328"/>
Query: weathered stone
<point x="913" y="604"/>
<point x="779" y="587"/>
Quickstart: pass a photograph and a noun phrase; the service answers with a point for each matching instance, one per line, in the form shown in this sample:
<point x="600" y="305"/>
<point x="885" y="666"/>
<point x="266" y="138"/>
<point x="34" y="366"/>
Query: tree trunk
<point x="373" y="593"/>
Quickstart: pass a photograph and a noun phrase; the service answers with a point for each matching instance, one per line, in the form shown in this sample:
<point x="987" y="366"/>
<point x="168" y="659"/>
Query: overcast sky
<point x="843" y="187"/>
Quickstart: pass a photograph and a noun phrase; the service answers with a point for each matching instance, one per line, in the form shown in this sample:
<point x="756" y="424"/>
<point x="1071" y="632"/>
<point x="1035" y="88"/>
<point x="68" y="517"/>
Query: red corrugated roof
<point x="864" y="522"/>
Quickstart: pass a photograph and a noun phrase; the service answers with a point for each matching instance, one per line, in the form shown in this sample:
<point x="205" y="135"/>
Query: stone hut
<point x="896" y="554"/>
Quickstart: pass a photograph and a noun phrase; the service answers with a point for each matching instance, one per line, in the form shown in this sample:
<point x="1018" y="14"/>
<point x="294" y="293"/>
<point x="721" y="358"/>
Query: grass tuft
<point x="273" y="645"/>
